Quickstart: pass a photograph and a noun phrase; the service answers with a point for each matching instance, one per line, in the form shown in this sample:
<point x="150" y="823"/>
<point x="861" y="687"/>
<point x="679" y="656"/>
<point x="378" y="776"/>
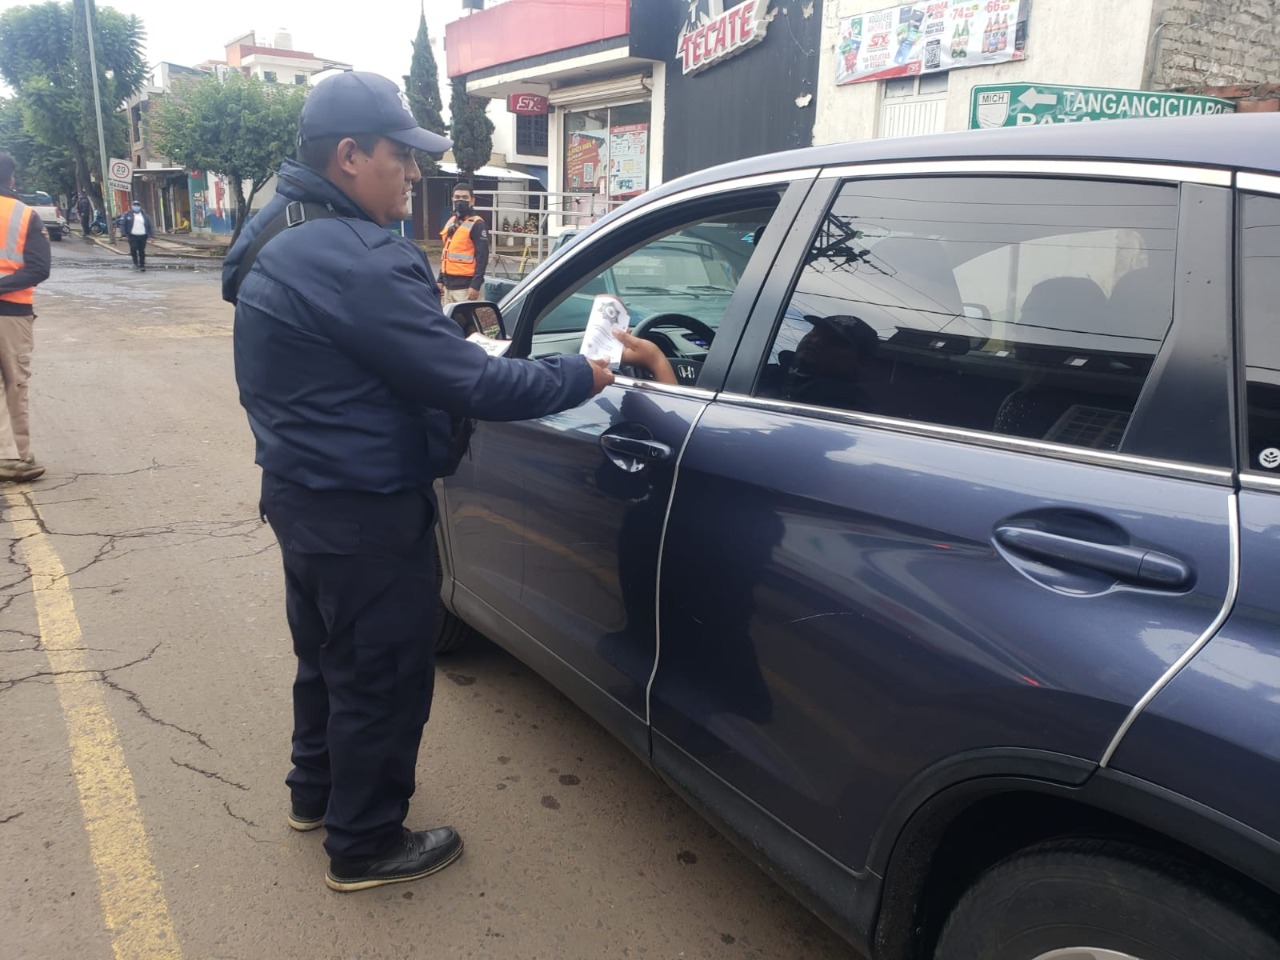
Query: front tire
<point x="1105" y="900"/>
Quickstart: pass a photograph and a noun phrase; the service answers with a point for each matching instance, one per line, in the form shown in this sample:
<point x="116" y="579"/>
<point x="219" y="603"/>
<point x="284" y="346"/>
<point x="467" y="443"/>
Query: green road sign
<point x="1025" y="104"/>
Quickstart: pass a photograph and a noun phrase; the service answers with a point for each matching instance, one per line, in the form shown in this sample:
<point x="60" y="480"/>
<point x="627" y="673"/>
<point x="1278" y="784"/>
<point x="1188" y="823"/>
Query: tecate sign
<point x="716" y="34"/>
<point x="527" y="104"/>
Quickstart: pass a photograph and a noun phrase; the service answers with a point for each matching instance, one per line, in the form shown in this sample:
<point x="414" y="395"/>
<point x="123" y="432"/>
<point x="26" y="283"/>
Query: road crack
<point x="210" y="774"/>
<point x="226" y="805"/>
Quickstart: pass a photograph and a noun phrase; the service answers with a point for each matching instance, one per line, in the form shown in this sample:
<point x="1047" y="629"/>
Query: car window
<point x="1260" y="279"/>
<point x="688" y="272"/>
<point x="1020" y="306"/>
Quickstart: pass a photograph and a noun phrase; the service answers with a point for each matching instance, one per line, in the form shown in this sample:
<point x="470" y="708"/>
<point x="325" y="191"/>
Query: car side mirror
<point x="478" y="316"/>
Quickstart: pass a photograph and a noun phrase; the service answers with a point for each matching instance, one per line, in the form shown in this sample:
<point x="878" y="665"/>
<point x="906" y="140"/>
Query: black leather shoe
<point x="415" y="855"/>
<point x="303" y="818"/>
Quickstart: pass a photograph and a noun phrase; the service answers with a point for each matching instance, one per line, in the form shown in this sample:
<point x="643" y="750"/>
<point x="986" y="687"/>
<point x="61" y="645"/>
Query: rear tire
<point x="451" y="633"/>
<point x="1107" y="896"/>
<point x="55" y="233"/>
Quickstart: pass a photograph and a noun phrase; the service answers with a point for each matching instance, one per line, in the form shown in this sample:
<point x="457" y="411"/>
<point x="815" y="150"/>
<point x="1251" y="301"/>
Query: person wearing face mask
<point x="466" y="249"/>
<point x="137" y="227"/>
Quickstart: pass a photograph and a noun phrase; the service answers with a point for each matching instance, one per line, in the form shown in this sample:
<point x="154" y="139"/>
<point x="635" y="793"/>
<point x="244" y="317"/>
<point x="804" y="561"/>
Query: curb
<point x="162" y="248"/>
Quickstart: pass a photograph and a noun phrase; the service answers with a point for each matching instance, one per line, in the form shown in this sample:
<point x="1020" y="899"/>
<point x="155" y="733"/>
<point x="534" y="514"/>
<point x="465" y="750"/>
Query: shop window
<point x="606" y="152"/>
<point x="531" y="136"/>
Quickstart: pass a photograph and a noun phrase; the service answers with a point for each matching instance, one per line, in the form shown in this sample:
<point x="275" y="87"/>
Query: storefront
<point x="740" y="76"/>
<point x="644" y="90"/>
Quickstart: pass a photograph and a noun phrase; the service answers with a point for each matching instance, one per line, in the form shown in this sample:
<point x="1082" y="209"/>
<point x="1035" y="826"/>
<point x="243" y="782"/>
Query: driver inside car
<point x="828" y="361"/>
<point x="646" y="355"/>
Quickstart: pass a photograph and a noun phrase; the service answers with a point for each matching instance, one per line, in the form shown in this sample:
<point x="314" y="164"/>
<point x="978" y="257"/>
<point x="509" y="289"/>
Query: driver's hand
<point x="646" y="354"/>
<point x="601" y="376"/>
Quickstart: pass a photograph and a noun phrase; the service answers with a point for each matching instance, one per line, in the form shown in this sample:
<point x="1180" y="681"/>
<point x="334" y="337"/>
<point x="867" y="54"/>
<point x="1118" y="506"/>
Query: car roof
<point x="1234" y="141"/>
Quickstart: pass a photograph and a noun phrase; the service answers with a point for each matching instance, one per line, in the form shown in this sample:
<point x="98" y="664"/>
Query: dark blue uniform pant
<point x="360" y="594"/>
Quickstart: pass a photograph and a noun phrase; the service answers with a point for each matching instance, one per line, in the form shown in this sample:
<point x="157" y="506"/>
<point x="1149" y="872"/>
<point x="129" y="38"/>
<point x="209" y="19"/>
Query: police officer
<point x="466" y="249"/>
<point x="24" y="263"/>
<point x="354" y="382"/>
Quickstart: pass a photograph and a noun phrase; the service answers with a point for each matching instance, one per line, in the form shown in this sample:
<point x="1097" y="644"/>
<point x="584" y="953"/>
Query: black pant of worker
<point x="138" y="249"/>
<point x="360" y="595"/>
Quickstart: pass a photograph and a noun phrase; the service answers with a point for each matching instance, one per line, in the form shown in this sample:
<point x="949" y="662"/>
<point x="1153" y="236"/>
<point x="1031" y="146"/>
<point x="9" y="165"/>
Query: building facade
<point x="1037" y="50"/>
<point x="612" y="97"/>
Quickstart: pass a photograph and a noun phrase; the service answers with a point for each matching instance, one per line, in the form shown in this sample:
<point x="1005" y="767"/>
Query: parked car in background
<point x="944" y="579"/>
<point x="50" y="213"/>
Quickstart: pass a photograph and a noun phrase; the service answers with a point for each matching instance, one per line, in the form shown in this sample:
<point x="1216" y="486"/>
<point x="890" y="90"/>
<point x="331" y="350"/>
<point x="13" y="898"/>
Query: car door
<point x="1210" y="734"/>
<point x="585" y="492"/>
<point x="964" y="498"/>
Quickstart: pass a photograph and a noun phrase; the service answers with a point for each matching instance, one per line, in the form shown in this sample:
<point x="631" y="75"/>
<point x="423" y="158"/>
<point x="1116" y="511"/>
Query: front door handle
<point x="1138" y="565"/>
<point x="650" y="451"/>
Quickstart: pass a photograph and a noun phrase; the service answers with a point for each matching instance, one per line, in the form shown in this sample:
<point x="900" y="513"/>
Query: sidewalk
<point x="170" y="245"/>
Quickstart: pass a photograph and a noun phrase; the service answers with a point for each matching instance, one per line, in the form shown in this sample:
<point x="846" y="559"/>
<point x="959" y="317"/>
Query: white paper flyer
<point x="494" y="348"/>
<point x="607" y="315"/>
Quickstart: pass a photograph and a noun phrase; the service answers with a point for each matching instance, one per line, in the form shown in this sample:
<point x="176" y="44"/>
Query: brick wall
<point x="1219" y="43"/>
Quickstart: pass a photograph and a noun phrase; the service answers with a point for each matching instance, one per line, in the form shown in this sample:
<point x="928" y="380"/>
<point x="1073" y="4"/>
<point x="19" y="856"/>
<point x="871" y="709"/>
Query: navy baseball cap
<point x="353" y="103"/>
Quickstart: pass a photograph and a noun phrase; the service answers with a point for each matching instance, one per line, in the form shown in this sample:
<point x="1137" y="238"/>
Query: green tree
<point x="39" y="167"/>
<point x="44" y="57"/>
<point x="471" y="129"/>
<point x="240" y="127"/>
<point x="422" y="87"/>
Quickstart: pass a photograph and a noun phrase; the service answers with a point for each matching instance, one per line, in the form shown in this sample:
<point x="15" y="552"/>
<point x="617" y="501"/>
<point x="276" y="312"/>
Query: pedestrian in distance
<point x="360" y="393"/>
<point x="84" y="210"/>
<point x="136" y="225"/>
<point x="24" y="264"/>
<point x="466" y="249"/>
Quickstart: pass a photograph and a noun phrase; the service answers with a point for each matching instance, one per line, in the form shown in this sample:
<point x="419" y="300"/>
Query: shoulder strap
<point x="297" y="212"/>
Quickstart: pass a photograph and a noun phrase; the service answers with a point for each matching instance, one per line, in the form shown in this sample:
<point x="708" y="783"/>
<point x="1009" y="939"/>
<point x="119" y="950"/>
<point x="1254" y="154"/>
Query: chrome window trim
<point x="1258" y="182"/>
<point x="1260" y="481"/>
<point x="782" y="177"/>
<point x="679" y="389"/>
<point x="1108" y="169"/>
<point x="999" y="441"/>
<point x="1233" y="587"/>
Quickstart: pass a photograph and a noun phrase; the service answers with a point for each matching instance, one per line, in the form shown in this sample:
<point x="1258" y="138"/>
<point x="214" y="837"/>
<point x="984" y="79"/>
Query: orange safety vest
<point x="15" y="216"/>
<point x="459" y="258"/>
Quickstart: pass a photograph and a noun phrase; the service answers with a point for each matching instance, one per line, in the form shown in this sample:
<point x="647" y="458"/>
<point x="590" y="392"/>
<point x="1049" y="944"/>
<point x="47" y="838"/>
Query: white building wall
<point x="1068" y="42"/>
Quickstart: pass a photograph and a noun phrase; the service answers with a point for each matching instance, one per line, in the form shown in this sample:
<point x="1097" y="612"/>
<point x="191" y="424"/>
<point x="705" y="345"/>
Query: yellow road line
<point x="129" y="887"/>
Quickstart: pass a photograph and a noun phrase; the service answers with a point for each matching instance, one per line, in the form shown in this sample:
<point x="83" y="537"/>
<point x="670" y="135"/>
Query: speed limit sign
<point x="120" y="175"/>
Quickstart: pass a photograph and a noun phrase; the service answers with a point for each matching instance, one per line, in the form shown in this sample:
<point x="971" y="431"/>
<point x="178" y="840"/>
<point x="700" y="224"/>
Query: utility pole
<point x="102" y="140"/>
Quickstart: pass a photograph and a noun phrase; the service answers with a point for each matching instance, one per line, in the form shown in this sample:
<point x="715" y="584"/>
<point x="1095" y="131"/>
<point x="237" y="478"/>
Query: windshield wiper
<point x="713" y="288"/>
<point x="634" y="289"/>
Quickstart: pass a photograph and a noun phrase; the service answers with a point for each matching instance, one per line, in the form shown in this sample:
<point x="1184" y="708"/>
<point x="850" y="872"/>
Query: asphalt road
<point x="144" y="708"/>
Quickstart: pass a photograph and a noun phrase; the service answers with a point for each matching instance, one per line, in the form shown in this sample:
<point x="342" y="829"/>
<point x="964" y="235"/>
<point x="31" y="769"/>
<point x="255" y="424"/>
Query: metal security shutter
<point x="615" y="89"/>
<point x="912" y="117"/>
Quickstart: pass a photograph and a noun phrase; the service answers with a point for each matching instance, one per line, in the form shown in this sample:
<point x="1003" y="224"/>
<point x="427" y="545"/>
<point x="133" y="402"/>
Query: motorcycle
<point x="99" y="225"/>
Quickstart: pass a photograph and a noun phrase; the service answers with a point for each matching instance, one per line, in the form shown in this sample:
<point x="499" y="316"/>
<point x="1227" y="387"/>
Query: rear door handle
<point x="1138" y="565"/>
<point x="648" y="450"/>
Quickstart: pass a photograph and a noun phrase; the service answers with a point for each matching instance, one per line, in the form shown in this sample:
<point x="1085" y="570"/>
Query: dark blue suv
<point x="947" y="578"/>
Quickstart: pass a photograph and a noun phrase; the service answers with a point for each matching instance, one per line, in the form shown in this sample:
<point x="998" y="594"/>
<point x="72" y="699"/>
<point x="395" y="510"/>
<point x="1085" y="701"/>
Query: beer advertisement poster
<point x="914" y="38"/>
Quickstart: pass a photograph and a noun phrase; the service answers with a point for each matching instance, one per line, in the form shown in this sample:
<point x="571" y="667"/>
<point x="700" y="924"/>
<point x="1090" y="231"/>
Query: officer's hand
<point x="601" y="376"/>
<point x="473" y="293"/>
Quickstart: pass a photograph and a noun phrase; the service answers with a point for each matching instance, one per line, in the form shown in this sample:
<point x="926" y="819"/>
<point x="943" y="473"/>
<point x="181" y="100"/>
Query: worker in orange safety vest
<point x="466" y="249"/>
<point x="24" y="263"/>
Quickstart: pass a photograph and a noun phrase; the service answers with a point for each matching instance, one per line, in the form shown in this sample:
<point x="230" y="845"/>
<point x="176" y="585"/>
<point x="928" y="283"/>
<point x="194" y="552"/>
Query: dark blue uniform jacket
<point x="347" y="366"/>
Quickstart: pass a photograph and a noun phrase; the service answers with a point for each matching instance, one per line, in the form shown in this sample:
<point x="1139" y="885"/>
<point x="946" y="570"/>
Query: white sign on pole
<point x="120" y="175"/>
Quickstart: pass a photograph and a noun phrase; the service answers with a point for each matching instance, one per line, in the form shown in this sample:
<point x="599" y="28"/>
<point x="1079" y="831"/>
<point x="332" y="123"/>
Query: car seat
<point x="1044" y="407"/>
